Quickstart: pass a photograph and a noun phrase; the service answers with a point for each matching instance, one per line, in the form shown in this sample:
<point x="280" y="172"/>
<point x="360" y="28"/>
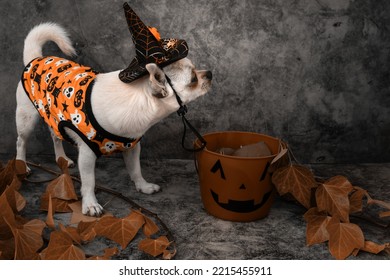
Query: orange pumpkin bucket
<point x="236" y="188"/>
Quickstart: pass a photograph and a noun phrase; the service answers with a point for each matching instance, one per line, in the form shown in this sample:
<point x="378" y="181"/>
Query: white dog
<point x="131" y="109"/>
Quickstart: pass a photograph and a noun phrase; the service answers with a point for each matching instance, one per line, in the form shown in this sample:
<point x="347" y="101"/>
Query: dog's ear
<point x="157" y="80"/>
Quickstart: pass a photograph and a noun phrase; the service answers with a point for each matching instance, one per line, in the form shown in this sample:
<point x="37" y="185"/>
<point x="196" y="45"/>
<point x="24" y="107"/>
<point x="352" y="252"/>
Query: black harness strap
<point x="181" y="112"/>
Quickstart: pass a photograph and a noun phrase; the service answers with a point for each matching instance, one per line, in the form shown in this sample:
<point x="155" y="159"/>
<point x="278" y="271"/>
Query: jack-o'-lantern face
<point x="236" y="188"/>
<point x="240" y="206"/>
<point x="237" y="192"/>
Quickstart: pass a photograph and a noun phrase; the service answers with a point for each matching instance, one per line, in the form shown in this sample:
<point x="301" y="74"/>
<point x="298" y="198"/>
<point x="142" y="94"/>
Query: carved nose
<point x="209" y="75"/>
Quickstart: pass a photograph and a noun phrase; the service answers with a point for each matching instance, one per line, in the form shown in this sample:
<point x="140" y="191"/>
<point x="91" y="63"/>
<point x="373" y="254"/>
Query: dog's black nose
<point x="209" y="75"/>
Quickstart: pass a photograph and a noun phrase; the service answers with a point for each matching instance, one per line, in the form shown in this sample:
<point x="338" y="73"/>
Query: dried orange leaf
<point x="27" y="239"/>
<point x="13" y="197"/>
<point x="50" y="212"/>
<point x="15" y="184"/>
<point x="316" y="231"/>
<point x="63" y="165"/>
<point x="297" y="180"/>
<point x="150" y="227"/>
<point x="62" y="187"/>
<point x="384" y="214"/>
<point x="7" y="175"/>
<point x="332" y="197"/>
<point x="20" y="201"/>
<point x="120" y="230"/>
<point x="61" y="247"/>
<point x="59" y="205"/>
<point x="20" y="169"/>
<point x="168" y="255"/>
<point x="372" y="247"/>
<point x="380" y="203"/>
<point x="344" y="238"/>
<point x="72" y="232"/>
<point x="35" y="225"/>
<point x="87" y="230"/>
<point x="7" y="248"/>
<point x="154" y="247"/>
<point x="281" y="154"/>
<point x="356" y="200"/>
<point x="78" y="216"/>
<point x="6" y="213"/>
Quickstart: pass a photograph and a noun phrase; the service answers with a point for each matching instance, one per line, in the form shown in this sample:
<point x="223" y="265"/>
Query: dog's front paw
<point x="71" y="163"/>
<point x="147" y="188"/>
<point x="91" y="207"/>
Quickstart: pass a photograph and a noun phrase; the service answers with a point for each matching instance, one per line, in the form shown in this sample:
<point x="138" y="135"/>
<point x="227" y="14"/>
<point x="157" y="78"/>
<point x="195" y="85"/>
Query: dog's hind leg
<point x="133" y="166"/>
<point x="59" y="149"/>
<point x="26" y="119"/>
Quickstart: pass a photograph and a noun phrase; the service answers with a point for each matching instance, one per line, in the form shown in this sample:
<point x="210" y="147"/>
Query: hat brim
<point x="171" y="51"/>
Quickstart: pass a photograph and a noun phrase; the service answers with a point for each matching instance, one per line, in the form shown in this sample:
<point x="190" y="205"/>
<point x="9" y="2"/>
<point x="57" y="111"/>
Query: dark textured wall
<point x="315" y="73"/>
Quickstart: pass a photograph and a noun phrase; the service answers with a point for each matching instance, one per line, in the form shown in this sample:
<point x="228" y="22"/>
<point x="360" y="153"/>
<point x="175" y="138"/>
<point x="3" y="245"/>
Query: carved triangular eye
<point x="218" y="166"/>
<point x="265" y="172"/>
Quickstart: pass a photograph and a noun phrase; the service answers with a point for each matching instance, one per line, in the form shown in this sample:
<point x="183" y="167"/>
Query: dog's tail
<point x="43" y="33"/>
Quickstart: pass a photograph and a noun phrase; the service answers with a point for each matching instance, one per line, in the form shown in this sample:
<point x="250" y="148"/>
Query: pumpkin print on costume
<point x="60" y="90"/>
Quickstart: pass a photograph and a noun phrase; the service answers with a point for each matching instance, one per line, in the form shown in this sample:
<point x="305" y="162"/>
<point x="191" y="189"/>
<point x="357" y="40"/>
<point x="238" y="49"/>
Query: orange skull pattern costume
<point x="61" y="92"/>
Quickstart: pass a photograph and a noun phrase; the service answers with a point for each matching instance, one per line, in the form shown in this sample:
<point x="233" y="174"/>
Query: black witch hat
<point x="149" y="48"/>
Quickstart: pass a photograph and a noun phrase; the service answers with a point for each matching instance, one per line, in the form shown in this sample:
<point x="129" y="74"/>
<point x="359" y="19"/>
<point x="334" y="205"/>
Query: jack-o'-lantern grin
<point x="243" y="206"/>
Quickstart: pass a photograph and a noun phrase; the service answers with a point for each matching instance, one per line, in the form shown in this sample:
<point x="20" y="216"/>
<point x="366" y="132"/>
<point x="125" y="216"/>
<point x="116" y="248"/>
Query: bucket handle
<point x="196" y="164"/>
<point x="197" y="134"/>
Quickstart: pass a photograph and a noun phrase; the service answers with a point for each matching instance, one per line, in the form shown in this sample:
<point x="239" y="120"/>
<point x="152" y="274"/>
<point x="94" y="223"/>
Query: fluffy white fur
<point x="129" y="112"/>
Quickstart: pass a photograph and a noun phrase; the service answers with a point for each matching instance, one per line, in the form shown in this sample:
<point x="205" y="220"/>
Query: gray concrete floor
<point x="198" y="235"/>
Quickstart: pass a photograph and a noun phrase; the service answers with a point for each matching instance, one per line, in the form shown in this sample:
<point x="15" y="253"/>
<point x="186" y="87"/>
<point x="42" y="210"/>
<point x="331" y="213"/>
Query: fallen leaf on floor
<point x="7" y="249"/>
<point x="317" y="222"/>
<point x="14" y="198"/>
<point x="20" y="201"/>
<point x="374" y="248"/>
<point x="168" y="255"/>
<point x="72" y="232"/>
<point x="149" y="227"/>
<point x="384" y="214"/>
<point x="344" y="238"/>
<point x="28" y="239"/>
<point x="59" y="205"/>
<point x="297" y="180"/>
<point x="61" y="247"/>
<point x="63" y="165"/>
<point x="7" y="217"/>
<point x="20" y="169"/>
<point x="78" y="216"/>
<point x="332" y="196"/>
<point x="380" y="203"/>
<point x="281" y="154"/>
<point x="154" y="247"/>
<point x="62" y="188"/>
<point x="120" y="230"/>
<point x="50" y="212"/>
<point x="22" y="239"/>
<point x="7" y="174"/>
<point x="87" y="230"/>
<point x="356" y="200"/>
